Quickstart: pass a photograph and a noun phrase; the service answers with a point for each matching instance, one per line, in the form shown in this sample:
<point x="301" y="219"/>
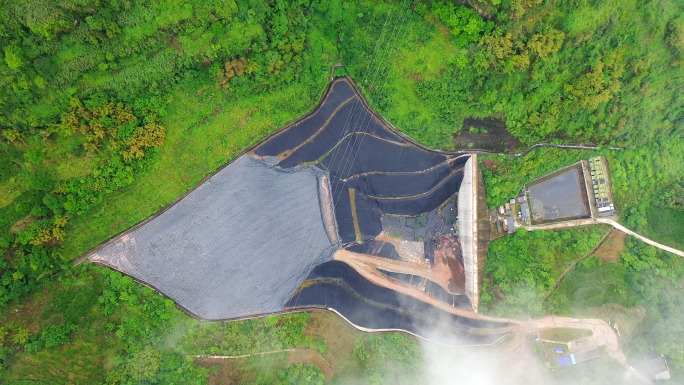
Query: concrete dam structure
<point x="473" y="228"/>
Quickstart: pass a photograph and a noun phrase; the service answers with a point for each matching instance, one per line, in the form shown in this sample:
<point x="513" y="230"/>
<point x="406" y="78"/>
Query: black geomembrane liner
<point x="352" y="118"/>
<point x="323" y="141"/>
<point x="358" y="154"/>
<point x="293" y="136"/>
<point x="399" y="185"/>
<point x="392" y="185"/>
<point x="337" y="270"/>
<point x="424" y="203"/>
<point x="372" y="316"/>
<point x="368" y="216"/>
<point x="432" y="288"/>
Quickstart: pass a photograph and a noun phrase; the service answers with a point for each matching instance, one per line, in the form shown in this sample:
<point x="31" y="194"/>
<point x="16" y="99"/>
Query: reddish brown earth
<point x="611" y="249"/>
<point x="449" y="265"/>
<point x="491" y="165"/>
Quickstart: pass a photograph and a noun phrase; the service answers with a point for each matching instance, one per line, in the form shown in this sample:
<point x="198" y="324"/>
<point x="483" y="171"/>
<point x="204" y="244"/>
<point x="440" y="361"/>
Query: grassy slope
<point x="666" y="226"/>
<point x="190" y="153"/>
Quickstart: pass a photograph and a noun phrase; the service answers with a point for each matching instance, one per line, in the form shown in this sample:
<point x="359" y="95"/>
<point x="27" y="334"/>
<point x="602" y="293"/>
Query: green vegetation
<point x="644" y="276"/>
<point x="522" y="268"/>
<point x="250" y="336"/>
<point x="104" y="327"/>
<point x="564" y="334"/>
<point x="111" y="110"/>
<point x="665" y="225"/>
<point x="389" y="359"/>
<point x="301" y="373"/>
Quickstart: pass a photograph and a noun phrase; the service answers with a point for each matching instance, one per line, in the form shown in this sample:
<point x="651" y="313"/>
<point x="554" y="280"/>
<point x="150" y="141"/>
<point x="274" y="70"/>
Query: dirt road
<point x="646" y="240"/>
<point x="586" y="222"/>
<point x="369" y="271"/>
<point x="418" y="268"/>
<point x="602" y="333"/>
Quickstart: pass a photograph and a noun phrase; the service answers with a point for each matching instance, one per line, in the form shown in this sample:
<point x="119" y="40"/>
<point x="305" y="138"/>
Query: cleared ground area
<point x="239" y="244"/>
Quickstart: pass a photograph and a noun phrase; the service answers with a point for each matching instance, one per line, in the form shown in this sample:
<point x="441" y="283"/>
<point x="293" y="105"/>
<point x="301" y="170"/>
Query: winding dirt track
<point x="586" y="222"/>
<point x="367" y="268"/>
<point x="574" y="265"/>
<point x="602" y="333"/>
<point x="646" y="240"/>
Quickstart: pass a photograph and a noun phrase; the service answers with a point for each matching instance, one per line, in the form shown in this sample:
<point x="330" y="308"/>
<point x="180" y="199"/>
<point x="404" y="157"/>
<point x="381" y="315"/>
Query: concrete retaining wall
<point x="467" y="230"/>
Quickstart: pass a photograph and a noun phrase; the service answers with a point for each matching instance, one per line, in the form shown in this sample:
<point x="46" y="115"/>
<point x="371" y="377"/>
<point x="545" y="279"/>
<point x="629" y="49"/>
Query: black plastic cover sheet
<point x="370" y="292"/>
<point x="357" y="154"/>
<point x="423" y="203"/>
<point x="293" y="136"/>
<point x="373" y="316"/>
<point x="215" y="252"/>
<point x="343" y="211"/>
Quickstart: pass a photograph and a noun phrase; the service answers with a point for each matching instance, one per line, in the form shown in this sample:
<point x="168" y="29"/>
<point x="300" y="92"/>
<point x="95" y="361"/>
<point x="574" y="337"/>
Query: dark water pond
<point x="562" y="196"/>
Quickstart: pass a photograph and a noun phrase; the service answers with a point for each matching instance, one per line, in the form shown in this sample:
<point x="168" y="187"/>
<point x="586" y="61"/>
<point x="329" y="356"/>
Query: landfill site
<point x="337" y="211"/>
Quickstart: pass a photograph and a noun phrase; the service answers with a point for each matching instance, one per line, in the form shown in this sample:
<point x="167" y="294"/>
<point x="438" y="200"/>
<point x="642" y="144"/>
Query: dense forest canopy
<point x="110" y="110"/>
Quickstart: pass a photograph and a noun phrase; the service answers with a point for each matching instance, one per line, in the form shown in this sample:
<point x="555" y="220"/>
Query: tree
<point x="498" y="43"/>
<point x="594" y="88"/>
<point x="301" y="373"/>
<point x="672" y="197"/>
<point x="675" y="37"/>
<point x="14" y="57"/>
<point x="144" y="364"/>
<point x="545" y="44"/>
<point x="21" y="336"/>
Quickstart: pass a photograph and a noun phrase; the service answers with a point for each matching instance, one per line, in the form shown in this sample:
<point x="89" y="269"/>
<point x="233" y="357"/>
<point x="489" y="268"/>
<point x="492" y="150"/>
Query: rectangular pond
<point x="559" y="196"/>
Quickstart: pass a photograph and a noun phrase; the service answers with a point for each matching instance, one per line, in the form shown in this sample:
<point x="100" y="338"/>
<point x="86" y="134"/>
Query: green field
<point x="564" y="334"/>
<point x="665" y="225"/>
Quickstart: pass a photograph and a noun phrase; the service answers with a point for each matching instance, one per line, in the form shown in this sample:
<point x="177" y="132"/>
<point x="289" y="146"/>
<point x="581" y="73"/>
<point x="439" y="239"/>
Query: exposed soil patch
<point x="492" y="165"/>
<point x="338" y="335"/>
<point x="564" y="334"/>
<point x="488" y="135"/>
<point x="449" y="264"/>
<point x="612" y="248"/>
<point x="22" y="224"/>
<point x="442" y="28"/>
<point x="628" y="320"/>
<point x="231" y="371"/>
<point x="175" y="43"/>
<point x="407" y="250"/>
